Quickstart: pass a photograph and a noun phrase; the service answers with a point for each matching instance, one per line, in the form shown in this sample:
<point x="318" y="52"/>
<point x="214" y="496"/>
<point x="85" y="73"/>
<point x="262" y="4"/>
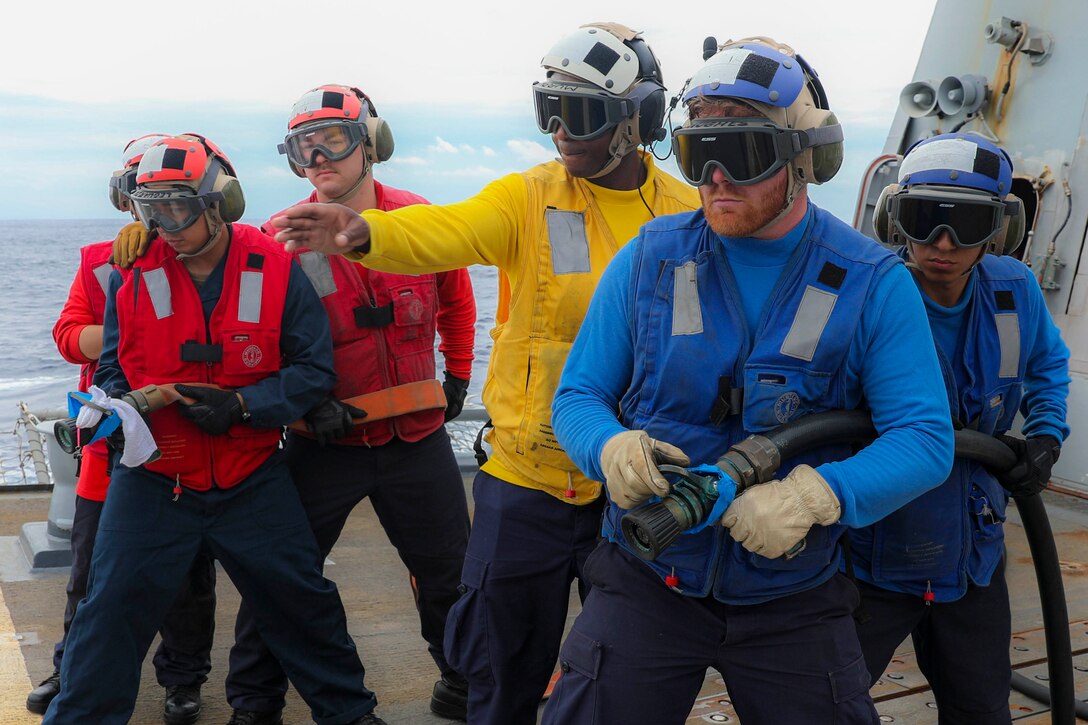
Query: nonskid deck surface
<point x="381" y="617"/>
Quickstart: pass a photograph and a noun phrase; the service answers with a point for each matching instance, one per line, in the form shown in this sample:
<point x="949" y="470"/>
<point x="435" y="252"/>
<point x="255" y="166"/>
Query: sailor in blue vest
<point x="756" y="310"/>
<point x="935" y="568"/>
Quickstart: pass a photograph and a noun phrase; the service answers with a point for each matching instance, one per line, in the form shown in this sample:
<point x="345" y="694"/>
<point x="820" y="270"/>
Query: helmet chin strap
<point x="354" y="187"/>
<point x="911" y="264"/>
<point x="793" y="187"/>
<point x="215" y="227"/>
<point x="623" y="142"/>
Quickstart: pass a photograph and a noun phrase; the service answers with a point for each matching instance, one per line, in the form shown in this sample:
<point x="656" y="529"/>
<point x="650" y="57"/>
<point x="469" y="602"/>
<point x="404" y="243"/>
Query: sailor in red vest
<point x="183" y="659"/>
<point x="225" y="314"/>
<point x="383" y="332"/>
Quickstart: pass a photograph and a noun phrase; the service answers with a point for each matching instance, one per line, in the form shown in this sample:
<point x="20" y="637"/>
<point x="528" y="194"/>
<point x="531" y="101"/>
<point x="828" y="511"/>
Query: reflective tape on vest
<point x="319" y="271"/>
<point x="1008" y="335"/>
<point x="102" y="274"/>
<point x="687" y="312"/>
<point x="809" y="323"/>
<point x="249" y="297"/>
<point x="158" y="288"/>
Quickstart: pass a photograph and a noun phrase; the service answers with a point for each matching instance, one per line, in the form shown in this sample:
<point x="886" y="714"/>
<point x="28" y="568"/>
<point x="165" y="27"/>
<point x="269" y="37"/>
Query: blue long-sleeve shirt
<point x="891" y="358"/>
<point x="305" y="344"/>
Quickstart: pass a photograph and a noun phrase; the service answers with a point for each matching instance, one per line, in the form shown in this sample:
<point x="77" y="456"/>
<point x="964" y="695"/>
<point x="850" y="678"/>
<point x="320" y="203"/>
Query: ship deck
<point x="382" y="619"/>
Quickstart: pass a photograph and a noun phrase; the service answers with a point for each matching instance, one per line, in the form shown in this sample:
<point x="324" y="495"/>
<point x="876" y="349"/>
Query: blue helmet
<point x="749" y="70"/>
<point x="958" y="159"/>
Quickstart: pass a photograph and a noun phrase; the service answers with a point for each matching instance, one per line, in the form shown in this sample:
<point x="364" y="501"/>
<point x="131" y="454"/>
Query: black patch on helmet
<point x="255" y="261"/>
<point x="174" y="159"/>
<point x="602" y="58"/>
<point x="332" y="99"/>
<point x="987" y="163"/>
<point x="1004" y="300"/>
<point x="832" y="275"/>
<point x="757" y="69"/>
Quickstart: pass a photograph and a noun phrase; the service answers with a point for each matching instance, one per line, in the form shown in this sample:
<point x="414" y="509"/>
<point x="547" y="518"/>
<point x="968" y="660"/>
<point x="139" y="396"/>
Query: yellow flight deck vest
<point x="567" y="245"/>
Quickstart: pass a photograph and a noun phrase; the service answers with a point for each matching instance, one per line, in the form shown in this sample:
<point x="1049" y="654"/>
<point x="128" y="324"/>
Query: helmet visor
<point x="335" y="140"/>
<point x="971" y="220"/>
<point x="171" y="211"/>
<point x="581" y="109"/>
<point x="746" y="150"/>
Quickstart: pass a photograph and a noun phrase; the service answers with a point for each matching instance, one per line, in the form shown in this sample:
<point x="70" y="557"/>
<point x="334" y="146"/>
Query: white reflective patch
<point x="249" y="297"/>
<point x="687" y="313"/>
<point x="319" y="271"/>
<point x="722" y="68"/>
<point x="102" y="274"/>
<point x="950" y="153"/>
<point x="152" y="160"/>
<point x="809" y="323"/>
<point x="567" y="236"/>
<point x="308" y="103"/>
<point x="1008" y="335"/>
<point x="158" y="288"/>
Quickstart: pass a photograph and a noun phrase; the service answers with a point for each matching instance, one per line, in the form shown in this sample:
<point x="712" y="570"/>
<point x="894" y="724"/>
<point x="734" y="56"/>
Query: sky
<point x="452" y="79"/>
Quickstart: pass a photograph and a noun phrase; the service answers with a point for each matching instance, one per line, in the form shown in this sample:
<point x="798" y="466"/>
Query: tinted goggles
<point x="583" y="110"/>
<point x="335" y="140"/>
<point x="746" y="150"/>
<point x="124" y="182"/>
<point x="971" y="219"/>
<point x="170" y="210"/>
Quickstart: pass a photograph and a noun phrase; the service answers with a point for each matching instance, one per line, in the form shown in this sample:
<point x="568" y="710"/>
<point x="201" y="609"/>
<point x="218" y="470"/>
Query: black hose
<point x="821" y="429"/>
<point x="1061" y="695"/>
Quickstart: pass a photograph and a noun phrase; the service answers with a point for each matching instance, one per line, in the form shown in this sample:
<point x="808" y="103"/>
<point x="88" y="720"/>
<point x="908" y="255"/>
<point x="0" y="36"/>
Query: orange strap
<point x="379" y="405"/>
<point x="394" y="401"/>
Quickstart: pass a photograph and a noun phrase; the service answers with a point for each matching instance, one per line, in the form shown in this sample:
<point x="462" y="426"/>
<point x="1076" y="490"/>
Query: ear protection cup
<point x="1012" y="234"/>
<point x="818" y="164"/>
<point x="881" y="221"/>
<point x="379" y="144"/>
<point x="650" y="91"/>
<point x="233" y="204"/>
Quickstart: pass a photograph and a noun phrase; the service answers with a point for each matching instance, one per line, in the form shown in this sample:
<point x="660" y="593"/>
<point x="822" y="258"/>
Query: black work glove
<point x="330" y="420"/>
<point x="1034" y="459"/>
<point x="215" y="409"/>
<point x="455" y="389"/>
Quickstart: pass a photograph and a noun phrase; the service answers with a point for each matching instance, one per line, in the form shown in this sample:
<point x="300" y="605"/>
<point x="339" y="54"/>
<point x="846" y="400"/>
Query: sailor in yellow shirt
<point x="551" y="231"/>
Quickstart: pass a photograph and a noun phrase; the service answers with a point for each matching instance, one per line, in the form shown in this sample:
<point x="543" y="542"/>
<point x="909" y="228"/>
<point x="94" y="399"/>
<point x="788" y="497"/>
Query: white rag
<point x="139" y="444"/>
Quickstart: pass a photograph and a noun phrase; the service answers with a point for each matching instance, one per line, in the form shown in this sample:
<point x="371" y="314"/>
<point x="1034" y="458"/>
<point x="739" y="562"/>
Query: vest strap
<point x="730" y="401"/>
<point x="373" y="316"/>
<point x="193" y="351"/>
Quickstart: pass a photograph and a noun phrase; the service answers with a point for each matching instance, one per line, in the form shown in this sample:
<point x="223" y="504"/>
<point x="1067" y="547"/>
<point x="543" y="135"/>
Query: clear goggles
<point x="583" y="110"/>
<point x="171" y="210"/>
<point x="335" y="140"/>
<point x="746" y="150"/>
<point x="971" y="218"/>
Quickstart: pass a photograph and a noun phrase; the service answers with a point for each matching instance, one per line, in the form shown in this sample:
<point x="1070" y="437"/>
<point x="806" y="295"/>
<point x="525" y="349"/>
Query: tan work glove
<point x="130" y="244"/>
<point x="629" y="461"/>
<point x="771" y="518"/>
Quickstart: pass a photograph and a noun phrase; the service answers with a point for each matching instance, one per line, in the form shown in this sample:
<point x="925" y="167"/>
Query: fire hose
<point x="650" y="529"/>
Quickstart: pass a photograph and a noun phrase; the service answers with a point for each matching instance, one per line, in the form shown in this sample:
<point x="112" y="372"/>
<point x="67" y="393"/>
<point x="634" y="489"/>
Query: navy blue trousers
<point x="504" y="633"/>
<point x="639" y="652"/>
<point x="183" y="656"/>
<point x="418" y="495"/>
<point x="962" y="646"/>
<point x="147" y="542"/>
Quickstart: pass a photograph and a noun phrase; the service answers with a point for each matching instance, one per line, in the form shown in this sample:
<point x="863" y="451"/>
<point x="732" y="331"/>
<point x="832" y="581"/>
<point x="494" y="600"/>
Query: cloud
<point x="531" y="152"/>
<point x="442" y="146"/>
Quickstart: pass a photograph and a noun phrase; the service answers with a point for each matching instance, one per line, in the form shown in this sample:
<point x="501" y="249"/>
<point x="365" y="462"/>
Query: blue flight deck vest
<point x="953" y="533"/>
<point x="690" y="335"/>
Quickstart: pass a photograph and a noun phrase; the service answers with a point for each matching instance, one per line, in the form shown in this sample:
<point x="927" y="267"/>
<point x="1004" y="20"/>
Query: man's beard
<point x="756" y="214"/>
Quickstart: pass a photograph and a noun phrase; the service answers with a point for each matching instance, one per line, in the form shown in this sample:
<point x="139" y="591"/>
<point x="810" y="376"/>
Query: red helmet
<point x="190" y="176"/>
<point x="123" y="181"/>
<point x="334" y="120"/>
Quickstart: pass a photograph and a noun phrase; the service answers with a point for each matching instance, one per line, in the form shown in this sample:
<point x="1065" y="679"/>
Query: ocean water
<point x="39" y="263"/>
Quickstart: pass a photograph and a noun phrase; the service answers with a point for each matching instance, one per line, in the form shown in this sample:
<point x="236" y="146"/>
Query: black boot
<point x="39" y="698"/>
<point x="450" y="699"/>
<point x="182" y="705"/>
<point x="252" y="717"/>
<point x="370" y="719"/>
